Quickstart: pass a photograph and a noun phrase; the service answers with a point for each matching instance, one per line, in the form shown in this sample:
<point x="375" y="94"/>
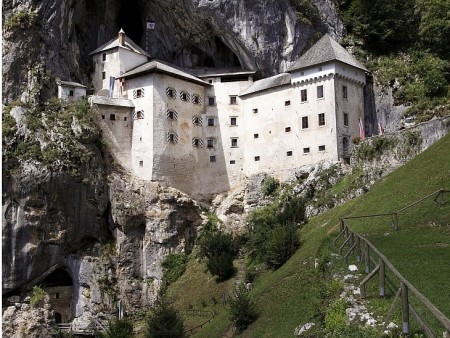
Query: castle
<point x="204" y="130"/>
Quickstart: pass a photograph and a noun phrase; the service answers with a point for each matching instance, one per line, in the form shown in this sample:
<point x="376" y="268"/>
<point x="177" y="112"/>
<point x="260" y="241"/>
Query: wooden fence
<point x="365" y="252"/>
<point x="197" y="313"/>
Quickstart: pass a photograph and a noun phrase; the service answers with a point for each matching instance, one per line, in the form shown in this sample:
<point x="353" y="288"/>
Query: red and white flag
<point x="362" y="135"/>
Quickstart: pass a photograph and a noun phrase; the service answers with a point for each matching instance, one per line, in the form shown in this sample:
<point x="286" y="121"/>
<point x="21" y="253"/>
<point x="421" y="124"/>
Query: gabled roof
<point x="70" y="84"/>
<point x="325" y="50"/>
<point x="111" y="101"/>
<point x="267" y="83"/>
<point x="216" y="71"/>
<point x="129" y="44"/>
<point x="157" y="66"/>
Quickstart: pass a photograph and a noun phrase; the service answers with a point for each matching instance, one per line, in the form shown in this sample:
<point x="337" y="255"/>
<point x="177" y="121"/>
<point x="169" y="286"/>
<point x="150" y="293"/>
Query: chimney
<point x="121" y="37"/>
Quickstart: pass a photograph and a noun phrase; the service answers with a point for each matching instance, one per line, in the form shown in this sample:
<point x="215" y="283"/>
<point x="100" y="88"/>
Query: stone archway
<point x="58" y="285"/>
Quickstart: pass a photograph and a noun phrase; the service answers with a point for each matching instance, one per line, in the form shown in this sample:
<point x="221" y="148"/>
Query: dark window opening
<point x="346" y="119"/>
<point x="210" y="143"/>
<point x="287" y="103"/>
<point x="103" y="75"/>
<point x="319" y="92"/>
<point x="71" y="93"/>
<point x="57" y="295"/>
<point x="255" y="135"/>
<point x="321" y="119"/>
<point x="172" y="93"/>
<point x="212" y="158"/>
<point x="344" y="92"/>
<point x="233" y="121"/>
<point x="304" y="122"/>
<point x="211" y="101"/>
<point x="233" y="99"/>
<point x="305" y="150"/>
<point x="104" y="57"/>
<point x="103" y="117"/>
<point x="141" y="163"/>
<point x="255" y="110"/>
<point x="257" y="158"/>
<point x="125" y="118"/>
<point x="289" y="153"/>
<point x="287" y="129"/>
<point x="232" y="161"/>
<point x="112" y="117"/>
<point x="196" y="99"/>
<point x="184" y="96"/>
<point x="234" y="78"/>
<point x="322" y="148"/>
<point x="210" y="121"/>
<point x="234" y="143"/>
<point x="303" y="95"/>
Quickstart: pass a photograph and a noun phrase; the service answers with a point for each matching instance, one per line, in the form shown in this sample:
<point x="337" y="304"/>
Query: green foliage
<point x="21" y="20"/>
<point x="434" y="27"/>
<point x="108" y="249"/>
<point x="219" y="249"/>
<point x="335" y="317"/>
<point x="28" y="150"/>
<point x="119" y="328"/>
<point x="374" y="149"/>
<point x="273" y="234"/>
<point x="164" y="321"/>
<point x="173" y="267"/>
<point x="33" y="120"/>
<point x="269" y="186"/>
<point x="58" y="333"/>
<point x="9" y="127"/>
<point x="307" y="12"/>
<point x="37" y="296"/>
<point x="242" y="309"/>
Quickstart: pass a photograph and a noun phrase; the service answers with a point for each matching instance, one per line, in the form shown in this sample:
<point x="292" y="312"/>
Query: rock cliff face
<point x="262" y="35"/>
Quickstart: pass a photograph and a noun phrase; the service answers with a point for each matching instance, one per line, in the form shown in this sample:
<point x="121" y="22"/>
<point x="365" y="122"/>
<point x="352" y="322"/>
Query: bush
<point x="21" y="20"/>
<point x="282" y="242"/>
<point x="37" y="296"/>
<point x="242" y="309"/>
<point x="219" y="249"/>
<point x="164" y="321"/>
<point x="173" y="267"/>
<point x="119" y="328"/>
<point x="335" y="318"/>
<point x="269" y="186"/>
<point x="9" y="127"/>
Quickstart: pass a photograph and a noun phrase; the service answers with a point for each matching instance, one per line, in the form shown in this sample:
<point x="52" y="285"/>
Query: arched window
<point x="184" y="96"/>
<point x="172" y="137"/>
<point x="345" y="146"/>
<point x="138" y="115"/>
<point x="197" y="120"/>
<point x="170" y="92"/>
<point x="196" y="99"/>
<point x="196" y="142"/>
<point x="171" y="114"/>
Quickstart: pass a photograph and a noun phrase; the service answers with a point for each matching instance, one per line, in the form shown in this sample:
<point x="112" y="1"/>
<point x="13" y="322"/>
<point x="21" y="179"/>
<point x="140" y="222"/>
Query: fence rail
<point x="363" y="248"/>
<point x="198" y="313"/>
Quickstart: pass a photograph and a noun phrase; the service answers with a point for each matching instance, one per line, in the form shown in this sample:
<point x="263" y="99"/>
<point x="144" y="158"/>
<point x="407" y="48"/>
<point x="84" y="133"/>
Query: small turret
<point x="121" y="37"/>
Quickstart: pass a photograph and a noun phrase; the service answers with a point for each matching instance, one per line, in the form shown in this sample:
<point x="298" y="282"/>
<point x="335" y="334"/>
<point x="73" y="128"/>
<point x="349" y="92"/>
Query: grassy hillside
<point x="294" y="294"/>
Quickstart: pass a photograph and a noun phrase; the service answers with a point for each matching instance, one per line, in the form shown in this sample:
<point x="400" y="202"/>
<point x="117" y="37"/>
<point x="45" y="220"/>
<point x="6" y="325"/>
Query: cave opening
<point x="59" y="286"/>
<point x="130" y="19"/>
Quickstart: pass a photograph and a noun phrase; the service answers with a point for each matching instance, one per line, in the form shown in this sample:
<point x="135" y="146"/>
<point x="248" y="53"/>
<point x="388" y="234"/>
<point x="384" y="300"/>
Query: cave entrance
<point x="130" y="19"/>
<point x="58" y="285"/>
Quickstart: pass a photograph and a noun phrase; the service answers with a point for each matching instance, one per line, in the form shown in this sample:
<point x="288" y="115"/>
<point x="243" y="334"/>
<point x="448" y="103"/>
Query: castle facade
<point x="204" y="130"/>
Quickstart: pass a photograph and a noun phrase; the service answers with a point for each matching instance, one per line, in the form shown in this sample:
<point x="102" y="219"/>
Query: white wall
<point x="64" y="93"/>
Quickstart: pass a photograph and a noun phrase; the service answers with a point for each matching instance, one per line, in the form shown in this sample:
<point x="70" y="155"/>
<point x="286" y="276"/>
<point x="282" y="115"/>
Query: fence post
<point x="367" y="259"/>
<point x="382" y="278"/>
<point x="341" y="224"/>
<point x="396" y="221"/>
<point x="405" y="309"/>
<point x="358" y="249"/>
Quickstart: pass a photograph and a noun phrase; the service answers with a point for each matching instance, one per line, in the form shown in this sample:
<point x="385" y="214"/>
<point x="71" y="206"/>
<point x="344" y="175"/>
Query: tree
<point x="242" y="309"/>
<point x="119" y="328"/>
<point x="164" y="321"/>
<point x="434" y="27"/>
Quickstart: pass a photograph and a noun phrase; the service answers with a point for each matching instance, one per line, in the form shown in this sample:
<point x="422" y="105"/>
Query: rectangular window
<point x="233" y="99"/>
<point x="57" y="295"/>
<point x="344" y="92"/>
<point x="321" y="119"/>
<point x="103" y="75"/>
<point x="257" y="158"/>
<point x="71" y="93"/>
<point x="305" y="150"/>
<point x="255" y="110"/>
<point x="104" y="57"/>
<point x="287" y="129"/>
<point x="103" y="117"/>
<point x="139" y="93"/>
<point x="233" y="121"/>
<point x="112" y="117"/>
<point x="322" y="148"/>
<point x="232" y="162"/>
<point x="255" y="135"/>
<point x="320" y="92"/>
<point x="210" y="121"/>
<point x="289" y="153"/>
<point x="212" y="158"/>
<point x="210" y="143"/>
<point x="141" y="163"/>
<point x="303" y="95"/>
<point x="124" y="118"/>
<point x="287" y="103"/>
<point x="304" y="122"/>
<point x="234" y="143"/>
<point x="346" y="119"/>
<point x="211" y="101"/>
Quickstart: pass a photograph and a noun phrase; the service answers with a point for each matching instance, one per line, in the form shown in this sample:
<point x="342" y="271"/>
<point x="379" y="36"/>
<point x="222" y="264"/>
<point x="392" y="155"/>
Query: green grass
<point x="289" y="296"/>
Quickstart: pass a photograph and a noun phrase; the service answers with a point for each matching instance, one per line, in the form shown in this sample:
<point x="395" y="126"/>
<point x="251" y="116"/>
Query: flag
<point x="361" y="130"/>
<point x="380" y="129"/>
<point x="112" y="80"/>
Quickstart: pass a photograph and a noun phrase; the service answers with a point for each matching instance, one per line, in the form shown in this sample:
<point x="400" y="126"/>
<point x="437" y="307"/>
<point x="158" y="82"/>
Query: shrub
<point x="8" y="125"/>
<point x="21" y="20"/>
<point x="37" y="296"/>
<point x="164" y="321"/>
<point x="219" y="249"/>
<point x="269" y="186"/>
<point x="335" y="318"/>
<point x="282" y="242"/>
<point x="119" y="328"/>
<point x="173" y="267"/>
<point x="242" y="309"/>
